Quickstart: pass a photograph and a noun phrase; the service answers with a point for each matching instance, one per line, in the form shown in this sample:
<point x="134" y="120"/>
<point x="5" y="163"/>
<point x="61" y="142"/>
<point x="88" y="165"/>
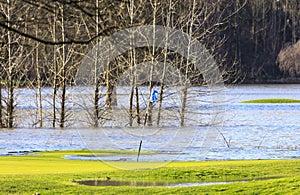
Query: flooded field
<point x="248" y="131"/>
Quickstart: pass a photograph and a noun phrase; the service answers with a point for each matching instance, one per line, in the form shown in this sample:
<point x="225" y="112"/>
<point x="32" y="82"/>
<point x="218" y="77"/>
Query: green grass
<point x="272" y="101"/>
<point x="49" y="173"/>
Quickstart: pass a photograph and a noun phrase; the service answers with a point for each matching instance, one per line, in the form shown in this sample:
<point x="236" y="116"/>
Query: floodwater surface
<point x="248" y="131"/>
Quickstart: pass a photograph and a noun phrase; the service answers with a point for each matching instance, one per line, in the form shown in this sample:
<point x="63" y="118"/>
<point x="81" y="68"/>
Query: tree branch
<point x="49" y="42"/>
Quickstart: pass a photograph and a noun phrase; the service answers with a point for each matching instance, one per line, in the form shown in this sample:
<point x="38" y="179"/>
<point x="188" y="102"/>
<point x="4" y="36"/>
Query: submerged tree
<point x="13" y="61"/>
<point x="64" y="31"/>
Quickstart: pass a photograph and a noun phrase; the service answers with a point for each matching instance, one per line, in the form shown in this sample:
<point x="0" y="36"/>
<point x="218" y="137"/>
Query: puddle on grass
<point x="99" y="182"/>
<point x="157" y="157"/>
<point x="148" y="184"/>
<point x="117" y="183"/>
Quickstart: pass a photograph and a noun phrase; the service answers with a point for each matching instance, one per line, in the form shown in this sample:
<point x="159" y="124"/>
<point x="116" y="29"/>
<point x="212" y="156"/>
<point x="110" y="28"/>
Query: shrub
<point x="289" y="60"/>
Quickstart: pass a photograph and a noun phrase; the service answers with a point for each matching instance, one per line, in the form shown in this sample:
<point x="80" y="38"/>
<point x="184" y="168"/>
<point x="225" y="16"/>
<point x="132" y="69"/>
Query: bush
<point x="289" y="60"/>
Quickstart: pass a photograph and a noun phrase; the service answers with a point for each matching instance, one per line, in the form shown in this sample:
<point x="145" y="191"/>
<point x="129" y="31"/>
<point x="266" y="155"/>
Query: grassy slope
<point x="274" y="101"/>
<point x="48" y="173"/>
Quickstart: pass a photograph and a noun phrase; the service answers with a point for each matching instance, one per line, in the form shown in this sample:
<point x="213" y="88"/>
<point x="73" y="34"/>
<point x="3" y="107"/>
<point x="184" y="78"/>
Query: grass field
<point x="49" y="173"/>
<point x="272" y="101"/>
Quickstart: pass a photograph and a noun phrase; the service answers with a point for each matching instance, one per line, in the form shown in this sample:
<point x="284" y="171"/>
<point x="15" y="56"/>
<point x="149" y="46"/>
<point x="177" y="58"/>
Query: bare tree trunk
<point x="109" y="87"/>
<point x="110" y="77"/>
<point x="161" y="92"/>
<point x="150" y="104"/>
<point x="138" y="116"/>
<point x="186" y="85"/>
<point x="96" y="89"/>
<point x="132" y="69"/>
<point x="39" y="87"/>
<point x="63" y="100"/>
<point x="238" y="54"/>
<point x="63" y="74"/>
<point x="10" y="103"/>
<point x="285" y="24"/>
<point x="183" y="106"/>
<point x="293" y="7"/>
<point x="55" y="71"/>
<point x="96" y="104"/>
<point x="55" y="88"/>
<point x="131" y="104"/>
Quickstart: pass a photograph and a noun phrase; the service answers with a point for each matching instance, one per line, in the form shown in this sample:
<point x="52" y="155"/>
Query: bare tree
<point x="148" y="116"/>
<point x="97" y="83"/>
<point x="165" y="51"/>
<point x="57" y="29"/>
<point x="12" y="62"/>
<point x="11" y="69"/>
<point x="66" y="57"/>
<point x="185" y="87"/>
<point x="55" y="67"/>
<point x="39" y="84"/>
<point x="293" y="7"/>
<point x="63" y="71"/>
<point x="132" y="64"/>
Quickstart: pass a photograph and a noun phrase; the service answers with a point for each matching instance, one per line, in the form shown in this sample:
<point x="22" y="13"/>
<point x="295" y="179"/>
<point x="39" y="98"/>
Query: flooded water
<point x="21" y="141"/>
<point x="151" y="184"/>
<point x="249" y="131"/>
<point x="261" y="131"/>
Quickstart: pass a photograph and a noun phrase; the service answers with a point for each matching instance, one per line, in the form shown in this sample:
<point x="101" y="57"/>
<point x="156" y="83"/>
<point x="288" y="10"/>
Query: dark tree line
<point x="259" y="32"/>
<point x="43" y="43"/>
